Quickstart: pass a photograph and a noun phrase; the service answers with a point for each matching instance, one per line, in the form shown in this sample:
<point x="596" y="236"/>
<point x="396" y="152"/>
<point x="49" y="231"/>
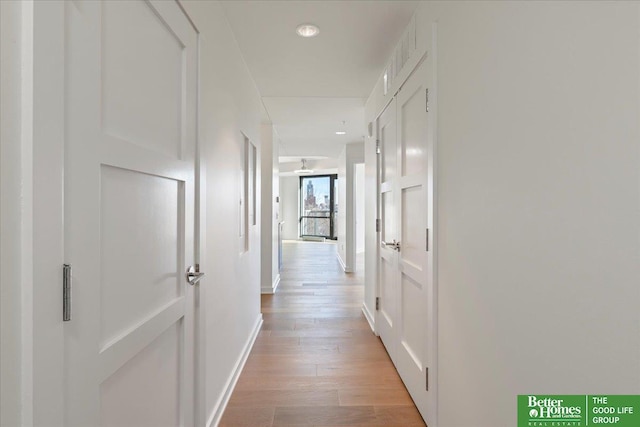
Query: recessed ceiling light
<point x="341" y="132"/>
<point x="307" y="30"/>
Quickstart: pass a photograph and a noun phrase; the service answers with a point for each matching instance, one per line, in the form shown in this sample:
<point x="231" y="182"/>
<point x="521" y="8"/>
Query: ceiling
<point x="307" y="126"/>
<point x="310" y="86"/>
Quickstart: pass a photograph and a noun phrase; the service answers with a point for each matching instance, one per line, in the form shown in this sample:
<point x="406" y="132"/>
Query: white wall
<point x="289" y="206"/>
<point x="275" y="197"/>
<point x="270" y="276"/>
<point x="351" y="154"/>
<point x="538" y="190"/>
<point x="359" y="206"/>
<point x="10" y="210"/>
<point x="229" y="106"/>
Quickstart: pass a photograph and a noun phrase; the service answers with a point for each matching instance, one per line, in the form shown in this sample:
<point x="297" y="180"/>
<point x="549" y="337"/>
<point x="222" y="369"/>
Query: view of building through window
<point x="317" y="206"/>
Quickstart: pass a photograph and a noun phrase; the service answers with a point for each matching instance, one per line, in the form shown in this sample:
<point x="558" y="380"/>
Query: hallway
<point x="316" y="361"/>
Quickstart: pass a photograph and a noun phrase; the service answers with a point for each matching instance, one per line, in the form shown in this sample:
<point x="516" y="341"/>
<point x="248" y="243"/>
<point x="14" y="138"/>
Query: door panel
<point x="413" y="321"/>
<point x="407" y="326"/>
<point x="153" y="76"/>
<point x="139" y="265"/>
<point x="387" y="135"/>
<point x="129" y="219"/>
<point x="388" y="296"/>
<point x="412" y="150"/>
<point x="139" y="377"/>
<point x="413" y="243"/>
<point x="387" y="210"/>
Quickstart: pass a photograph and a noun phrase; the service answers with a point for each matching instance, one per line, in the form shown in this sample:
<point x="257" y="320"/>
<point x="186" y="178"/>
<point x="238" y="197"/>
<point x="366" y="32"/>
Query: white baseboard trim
<point x="344" y="266"/>
<point x="370" y="318"/>
<point x="272" y="289"/>
<point x="221" y="404"/>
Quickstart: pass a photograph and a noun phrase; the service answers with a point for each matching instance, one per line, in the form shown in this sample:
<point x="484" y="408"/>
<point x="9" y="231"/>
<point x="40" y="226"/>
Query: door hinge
<point x="378" y="225"/>
<point x="377" y="303"/>
<point x="378" y="151"/>
<point x="66" y="292"/>
<point x="427" y="241"/>
<point x="427" y="378"/>
<point x="427" y="98"/>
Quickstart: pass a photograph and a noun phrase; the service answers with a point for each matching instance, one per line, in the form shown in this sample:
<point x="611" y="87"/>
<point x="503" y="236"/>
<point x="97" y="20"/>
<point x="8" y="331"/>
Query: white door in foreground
<point x="129" y="220"/>
<point x="414" y="206"/>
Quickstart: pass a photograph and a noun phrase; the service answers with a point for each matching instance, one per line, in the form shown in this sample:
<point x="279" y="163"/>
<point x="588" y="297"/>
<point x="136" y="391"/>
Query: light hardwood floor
<point x="316" y="361"/>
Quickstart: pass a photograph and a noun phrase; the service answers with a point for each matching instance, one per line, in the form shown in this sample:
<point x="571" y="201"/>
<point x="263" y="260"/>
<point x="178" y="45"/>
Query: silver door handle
<point x="194" y="275"/>
<point x="391" y="245"/>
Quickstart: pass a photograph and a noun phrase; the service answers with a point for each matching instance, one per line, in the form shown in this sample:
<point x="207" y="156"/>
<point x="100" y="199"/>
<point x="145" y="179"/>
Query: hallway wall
<point x="230" y="105"/>
<point x="359" y="207"/>
<point x="351" y="154"/>
<point x="289" y="206"/>
<point x="539" y="200"/>
<point x="270" y="276"/>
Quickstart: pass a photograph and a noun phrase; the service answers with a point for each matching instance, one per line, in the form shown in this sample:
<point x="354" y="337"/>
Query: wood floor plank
<point x="340" y="369"/>
<point x="359" y="340"/>
<point x="297" y="370"/>
<point x="325" y="415"/>
<point x="314" y="333"/>
<point x="315" y="358"/>
<point x="295" y="348"/>
<point x="256" y="398"/>
<point x="269" y="340"/>
<point x="398" y="416"/>
<point x="321" y="383"/>
<point x="374" y="396"/>
<point x="315" y="361"/>
<point x="247" y="417"/>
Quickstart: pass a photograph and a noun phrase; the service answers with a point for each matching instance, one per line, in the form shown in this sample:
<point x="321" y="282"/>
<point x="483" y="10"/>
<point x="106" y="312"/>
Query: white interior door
<point x="406" y="278"/>
<point x="415" y="334"/>
<point x="129" y="213"/>
<point x="388" y="260"/>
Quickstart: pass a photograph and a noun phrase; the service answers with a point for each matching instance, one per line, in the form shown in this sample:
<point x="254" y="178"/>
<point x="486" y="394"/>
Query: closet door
<point x="406" y="312"/>
<point x="414" y="276"/>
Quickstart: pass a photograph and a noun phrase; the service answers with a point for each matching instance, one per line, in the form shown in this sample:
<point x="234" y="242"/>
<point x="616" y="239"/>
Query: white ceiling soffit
<point x="307" y="126"/>
<point x="311" y="85"/>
